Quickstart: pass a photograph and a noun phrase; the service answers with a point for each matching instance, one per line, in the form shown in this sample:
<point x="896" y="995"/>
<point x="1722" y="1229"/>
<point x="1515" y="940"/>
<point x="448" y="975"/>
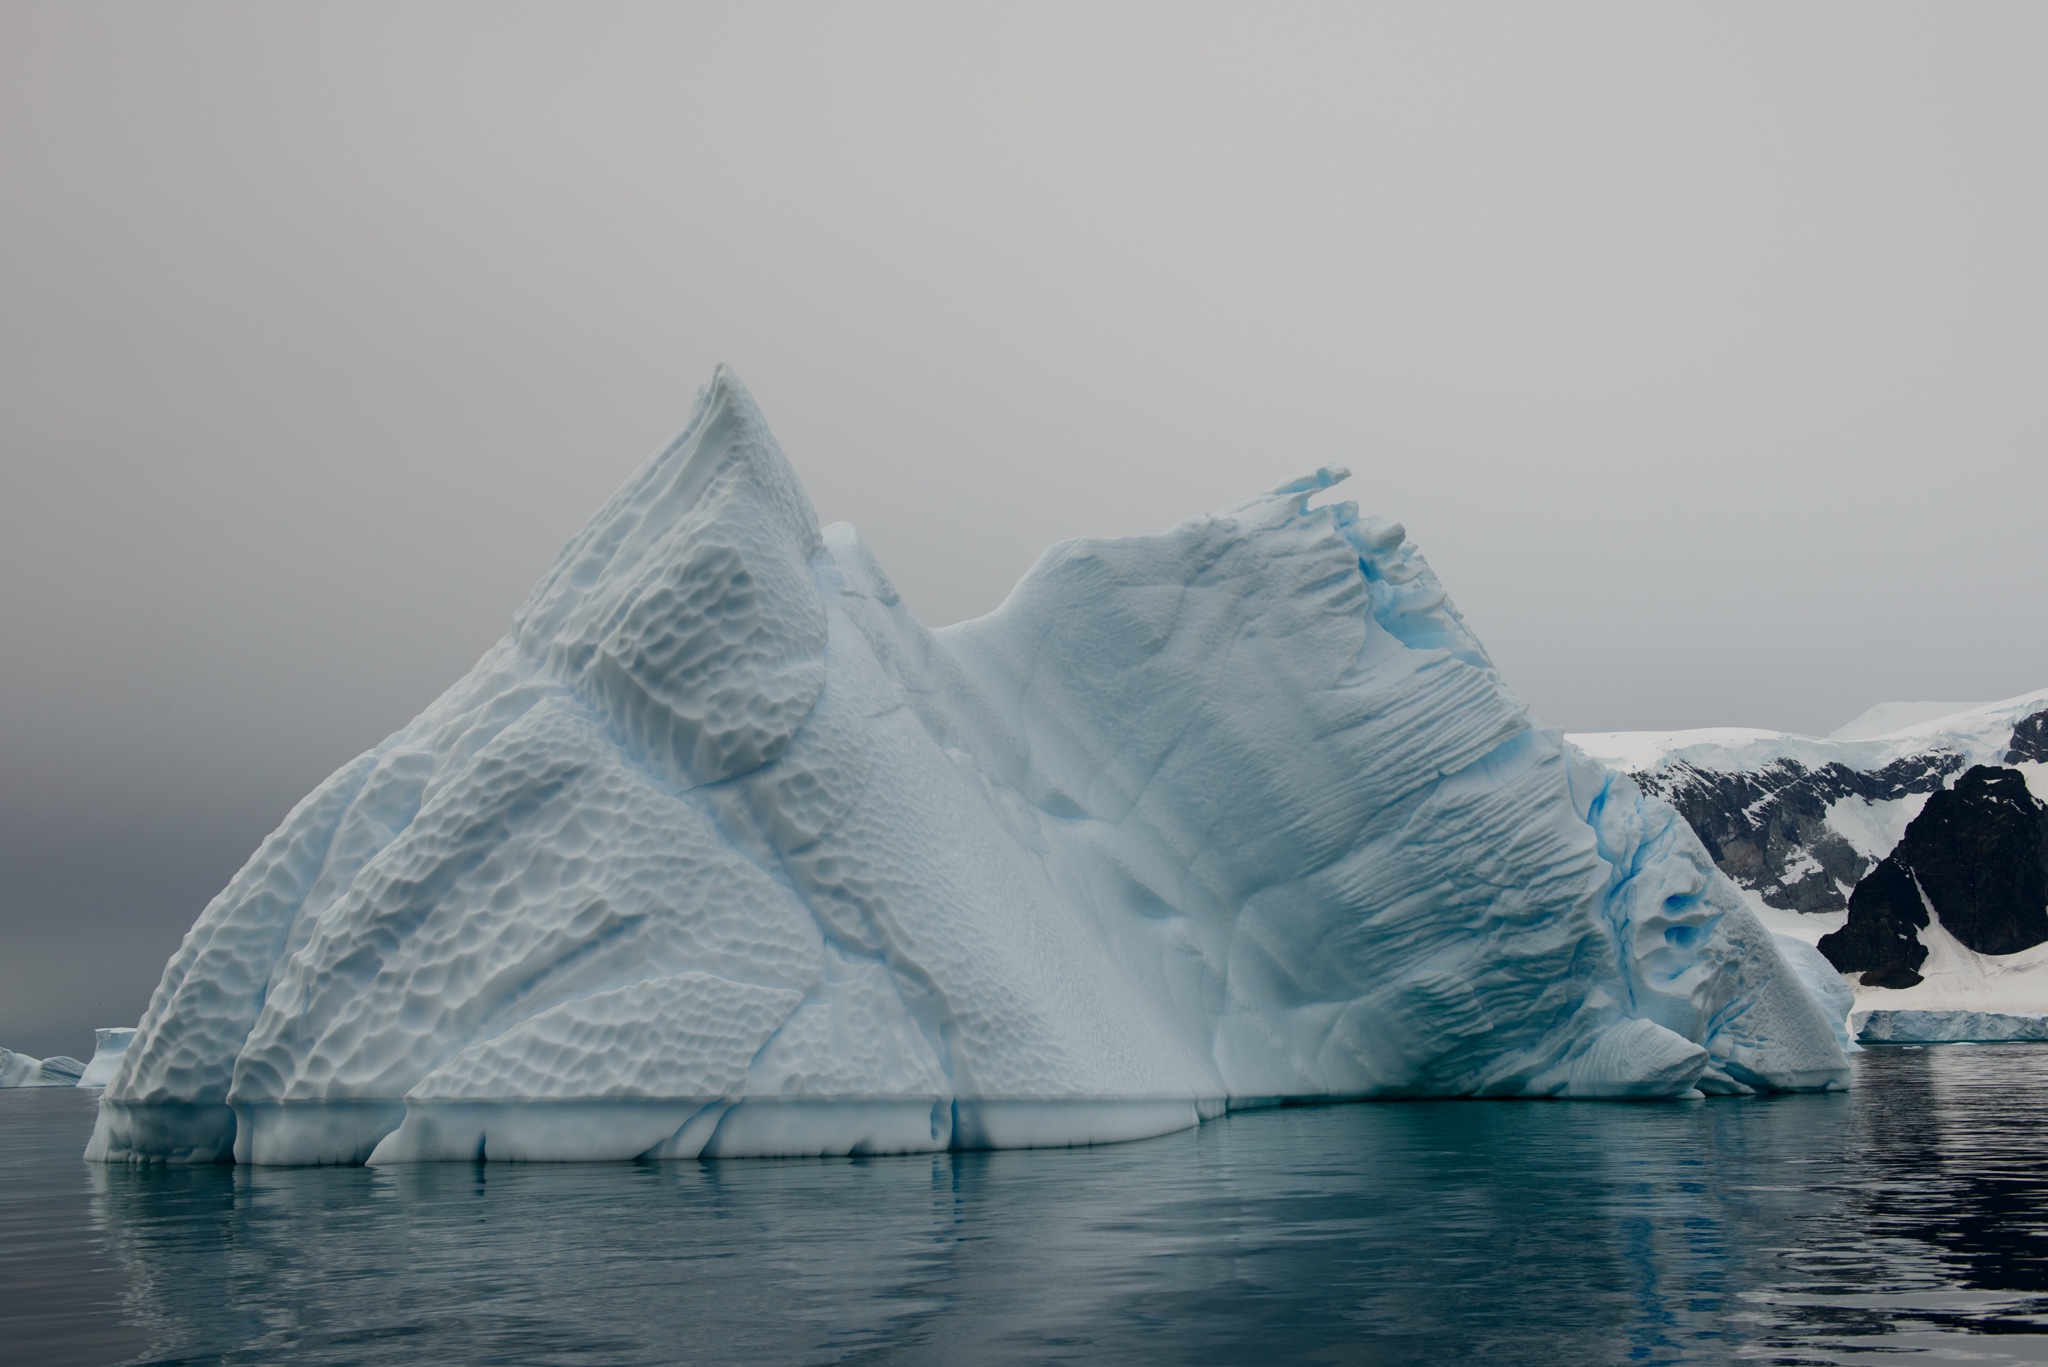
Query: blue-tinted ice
<point x="721" y="852"/>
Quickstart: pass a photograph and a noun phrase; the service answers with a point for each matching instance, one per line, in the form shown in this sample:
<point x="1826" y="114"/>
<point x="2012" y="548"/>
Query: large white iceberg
<point x="720" y="852"/>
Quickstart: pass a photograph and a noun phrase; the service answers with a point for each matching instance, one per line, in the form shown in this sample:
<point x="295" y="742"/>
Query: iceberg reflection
<point x="1888" y="1218"/>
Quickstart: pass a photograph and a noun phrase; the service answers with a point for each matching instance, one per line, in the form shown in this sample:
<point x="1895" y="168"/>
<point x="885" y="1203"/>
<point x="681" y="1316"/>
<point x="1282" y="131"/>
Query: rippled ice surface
<point x="1909" y="1218"/>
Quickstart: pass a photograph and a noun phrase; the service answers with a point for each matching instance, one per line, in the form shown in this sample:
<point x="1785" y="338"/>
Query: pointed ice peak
<point x="686" y="607"/>
<point x="725" y="448"/>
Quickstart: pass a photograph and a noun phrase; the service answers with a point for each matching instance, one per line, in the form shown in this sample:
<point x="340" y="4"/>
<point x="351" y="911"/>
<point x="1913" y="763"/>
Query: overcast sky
<point x="1703" y="349"/>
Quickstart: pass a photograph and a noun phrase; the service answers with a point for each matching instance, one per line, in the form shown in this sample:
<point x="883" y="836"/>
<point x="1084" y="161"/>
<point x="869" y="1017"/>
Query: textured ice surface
<point x="1829" y="989"/>
<point x="721" y="852"/>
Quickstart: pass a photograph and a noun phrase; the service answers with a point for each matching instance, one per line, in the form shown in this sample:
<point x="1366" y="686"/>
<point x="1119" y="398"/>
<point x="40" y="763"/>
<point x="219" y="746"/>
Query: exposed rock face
<point x="1882" y="938"/>
<point x="1978" y="856"/>
<point x="1981" y="852"/>
<point x="1767" y="828"/>
<point x="2029" y="741"/>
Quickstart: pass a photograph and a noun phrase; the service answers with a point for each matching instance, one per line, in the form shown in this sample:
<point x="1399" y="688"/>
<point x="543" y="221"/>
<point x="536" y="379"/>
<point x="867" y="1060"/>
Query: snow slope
<point x="1888" y="718"/>
<point x="1957" y="978"/>
<point x="1963" y="995"/>
<point x="720" y="852"/>
<point x="1978" y="733"/>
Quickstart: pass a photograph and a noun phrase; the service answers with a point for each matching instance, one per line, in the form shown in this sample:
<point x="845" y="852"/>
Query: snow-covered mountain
<point x="721" y="852"/>
<point x="1911" y="846"/>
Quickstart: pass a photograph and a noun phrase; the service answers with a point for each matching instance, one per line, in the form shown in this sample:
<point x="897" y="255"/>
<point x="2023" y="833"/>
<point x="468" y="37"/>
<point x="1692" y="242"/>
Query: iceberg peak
<point x="685" y="609"/>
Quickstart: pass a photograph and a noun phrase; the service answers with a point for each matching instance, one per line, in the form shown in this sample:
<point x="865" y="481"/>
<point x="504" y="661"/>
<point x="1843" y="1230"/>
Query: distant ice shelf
<point x="720" y="852"/>
<point x="1889" y="1025"/>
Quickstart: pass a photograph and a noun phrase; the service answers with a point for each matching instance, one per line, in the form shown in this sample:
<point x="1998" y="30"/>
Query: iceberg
<point x="1885" y="1025"/>
<point x="1828" y="988"/>
<point x="19" y="1070"/>
<point x="719" y="852"/>
<point x="109" y="1044"/>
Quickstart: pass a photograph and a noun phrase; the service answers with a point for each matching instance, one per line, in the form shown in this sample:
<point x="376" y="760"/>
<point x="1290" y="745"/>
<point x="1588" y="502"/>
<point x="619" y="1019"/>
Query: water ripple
<point x="1908" y="1218"/>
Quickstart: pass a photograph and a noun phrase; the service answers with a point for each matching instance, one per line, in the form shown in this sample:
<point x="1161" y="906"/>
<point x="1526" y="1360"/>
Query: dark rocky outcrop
<point x="1978" y="855"/>
<point x="1767" y="829"/>
<point x="2029" y="741"/>
<point x="1882" y="937"/>
<point x="1981" y="852"/>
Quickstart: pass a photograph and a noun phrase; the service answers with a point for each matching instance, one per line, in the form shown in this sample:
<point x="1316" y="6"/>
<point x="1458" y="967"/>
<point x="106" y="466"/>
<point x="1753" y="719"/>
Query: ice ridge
<point x="720" y="852"/>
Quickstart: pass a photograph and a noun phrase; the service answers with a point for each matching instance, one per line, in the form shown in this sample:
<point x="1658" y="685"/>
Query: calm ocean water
<point x="1907" y="1219"/>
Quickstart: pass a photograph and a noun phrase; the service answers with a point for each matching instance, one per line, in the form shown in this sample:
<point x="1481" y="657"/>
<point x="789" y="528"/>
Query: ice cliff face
<point x="720" y="852"/>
